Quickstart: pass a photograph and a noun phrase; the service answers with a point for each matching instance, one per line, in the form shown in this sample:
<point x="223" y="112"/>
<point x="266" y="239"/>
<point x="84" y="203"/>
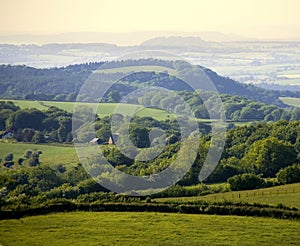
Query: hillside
<point x="63" y="84"/>
<point x="173" y="41"/>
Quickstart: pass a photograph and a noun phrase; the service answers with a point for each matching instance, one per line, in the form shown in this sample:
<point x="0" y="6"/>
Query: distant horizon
<point x="125" y="38"/>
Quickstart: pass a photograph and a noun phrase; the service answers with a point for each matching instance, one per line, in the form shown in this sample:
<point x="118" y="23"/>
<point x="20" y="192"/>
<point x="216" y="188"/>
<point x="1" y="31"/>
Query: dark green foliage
<point x="139" y="136"/>
<point x="9" y="157"/>
<point x="26" y="118"/>
<point x="64" y="83"/>
<point x="260" y="148"/>
<point x="8" y="160"/>
<point x="246" y="181"/>
<point x="38" y="137"/>
<point x="20" y="161"/>
<point x="268" y="156"/>
<point x="225" y="208"/>
<point x="289" y="175"/>
<point x="116" y="158"/>
<point x="40" y="84"/>
<point x="32" y="125"/>
<point x="76" y="174"/>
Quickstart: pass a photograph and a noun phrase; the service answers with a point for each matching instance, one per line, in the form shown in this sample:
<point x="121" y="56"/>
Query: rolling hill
<point x="63" y="84"/>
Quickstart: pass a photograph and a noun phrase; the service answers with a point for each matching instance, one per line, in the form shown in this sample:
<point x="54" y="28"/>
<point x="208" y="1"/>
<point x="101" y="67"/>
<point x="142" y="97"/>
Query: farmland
<point x="52" y="154"/>
<point x="294" y="102"/>
<point x="103" y="109"/>
<point x="110" y="228"/>
<point x="288" y="195"/>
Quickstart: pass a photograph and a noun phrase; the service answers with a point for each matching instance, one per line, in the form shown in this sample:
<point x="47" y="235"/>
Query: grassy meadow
<point x="291" y="101"/>
<point x="104" y="109"/>
<point x="144" y="228"/>
<point x="288" y="195"/>
<point x="52" y="154"/>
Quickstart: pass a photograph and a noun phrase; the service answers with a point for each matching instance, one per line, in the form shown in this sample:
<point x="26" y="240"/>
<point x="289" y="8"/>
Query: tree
<point x="27" y="154"/>
<point x="268" y="156"/>
<point x="34" y="158"/>
<point x="38" y="137"/>
<point x="20" y="161"/>
<point x="9" y="157"/>
<point x="2" y="123"/>
<point x="246" y="181"/>
<point x="44" y="178"/>
<point x="8" y="160"/>
<point x="289" y="175"/>
<point x="139" y="136"/>
<point x="62" y="134"/>
<point x="26" y="118"/>
<point x="27" y="134"/>
<point x="114" y="97"/>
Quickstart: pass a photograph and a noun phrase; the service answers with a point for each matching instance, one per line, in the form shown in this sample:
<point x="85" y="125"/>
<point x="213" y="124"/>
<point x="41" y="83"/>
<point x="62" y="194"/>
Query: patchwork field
<point x="123" y="228"/>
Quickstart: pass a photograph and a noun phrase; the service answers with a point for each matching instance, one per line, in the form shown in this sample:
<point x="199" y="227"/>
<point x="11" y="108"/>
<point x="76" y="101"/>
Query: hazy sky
<point x="252" y="18"/>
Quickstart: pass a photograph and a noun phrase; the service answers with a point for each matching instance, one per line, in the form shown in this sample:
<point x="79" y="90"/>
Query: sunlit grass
<point x="122" y="228"/>
<point x="288" y="195"/>
<point x="291" y="101"/>
<point x="52" y="155"/>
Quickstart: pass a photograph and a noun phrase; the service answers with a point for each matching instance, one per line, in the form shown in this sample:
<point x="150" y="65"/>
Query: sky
<point x="264" y="19"/>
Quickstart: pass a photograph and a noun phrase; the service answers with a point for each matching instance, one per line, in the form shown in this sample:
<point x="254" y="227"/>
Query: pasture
<point x="288" y="195"/>
<point x="52" y="154"/>
<point x="144" y="228"/>
<point x="291" y="101"/>
<point x="103" y="109"/>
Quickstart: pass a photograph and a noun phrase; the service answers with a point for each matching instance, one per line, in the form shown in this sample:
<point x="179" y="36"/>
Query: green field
<point x="123" y="228"/>
<point x="291" y="101"/>
<point x="52" y="155"/>
<point x="288" y="195"/>
<point x="135" y="69"/>
<point x="103" y="109"/>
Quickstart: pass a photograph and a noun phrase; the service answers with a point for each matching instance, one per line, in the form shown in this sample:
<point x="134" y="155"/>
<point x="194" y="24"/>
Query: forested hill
<point x="64" y="83"/>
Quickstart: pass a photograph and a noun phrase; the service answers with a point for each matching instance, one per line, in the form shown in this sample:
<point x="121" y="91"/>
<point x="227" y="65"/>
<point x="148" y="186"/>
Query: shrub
<point x="289" y="175"/>
<point x="246" y="181"/>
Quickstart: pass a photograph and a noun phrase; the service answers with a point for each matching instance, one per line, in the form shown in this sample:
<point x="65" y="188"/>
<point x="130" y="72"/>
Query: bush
<point x="246" y="181"/>
<point x="289" y="175"/>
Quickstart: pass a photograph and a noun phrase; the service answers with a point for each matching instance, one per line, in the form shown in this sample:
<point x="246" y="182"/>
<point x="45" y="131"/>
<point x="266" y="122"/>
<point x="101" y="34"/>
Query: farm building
<point x="113" y="138"/>
<point x="96" y="141"/>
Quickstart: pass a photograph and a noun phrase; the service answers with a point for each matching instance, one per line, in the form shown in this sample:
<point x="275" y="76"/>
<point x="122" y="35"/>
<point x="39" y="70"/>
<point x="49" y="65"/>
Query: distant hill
<point x="22" y="82"/>
<point x="130" y="38"/>
<point x="174" y="41"/>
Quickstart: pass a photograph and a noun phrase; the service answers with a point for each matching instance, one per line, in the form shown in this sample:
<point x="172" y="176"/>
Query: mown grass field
<point x="123" y="228"/>
<point x="52" y="155"/>
<point x="103" y="109"/>
<point x="288" y="195"/>
<point x="295" y="102"/>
